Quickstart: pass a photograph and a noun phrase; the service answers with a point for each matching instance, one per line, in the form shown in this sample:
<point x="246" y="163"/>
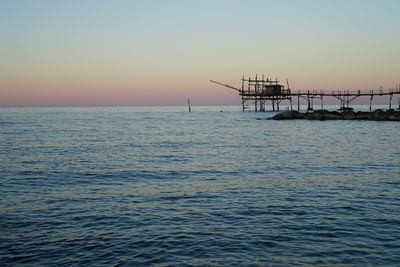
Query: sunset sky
<point x="94" y="53"/>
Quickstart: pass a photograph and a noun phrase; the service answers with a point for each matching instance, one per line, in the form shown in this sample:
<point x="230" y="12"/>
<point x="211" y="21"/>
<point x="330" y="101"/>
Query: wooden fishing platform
<point x="261" y="91"/>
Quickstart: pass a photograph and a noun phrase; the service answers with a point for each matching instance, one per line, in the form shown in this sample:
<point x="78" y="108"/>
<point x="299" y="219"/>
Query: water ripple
<point x="138" y="187"/>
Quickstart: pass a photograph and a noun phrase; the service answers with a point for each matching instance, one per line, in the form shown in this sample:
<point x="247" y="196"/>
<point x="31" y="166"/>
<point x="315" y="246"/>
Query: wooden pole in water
<point x="190" y="109"/>
<point x="370" y="101"/>
<point x="308" y="100"/>
<point x="291" y="104"/>
<point x="322" y="102"/>
<point x="298" y="101"/>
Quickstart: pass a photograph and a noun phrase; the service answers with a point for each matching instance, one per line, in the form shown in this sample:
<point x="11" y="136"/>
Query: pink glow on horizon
<point x="19" y="96"/>
<point x="75" y="53"/>
<point x="103" y="96"/>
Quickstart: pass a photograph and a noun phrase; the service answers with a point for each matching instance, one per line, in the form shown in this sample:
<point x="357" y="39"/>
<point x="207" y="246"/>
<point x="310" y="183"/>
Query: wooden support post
<point x="370" y="101"/>
<point x="264" y="90"/>
<point x="190" y="109"/>
<point x="308" y="101"/>
<point x="322" y="101"/>
<point x="291" y="104"/>
<point x="298" y="102"/>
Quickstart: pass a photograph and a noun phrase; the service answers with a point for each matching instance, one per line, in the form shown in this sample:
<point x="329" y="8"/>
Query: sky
<point x="162" y="52"/>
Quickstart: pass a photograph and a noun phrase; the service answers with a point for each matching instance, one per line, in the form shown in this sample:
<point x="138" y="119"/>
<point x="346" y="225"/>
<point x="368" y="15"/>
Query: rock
<point x="300" y="115"/>
<point x="377" y="115"/>
<point x="326" y="115"/>
<point x="308" y="116"/>
<point x="318" y="116"/>
<point x="348" y="115"/>
<point x="360" y="115"/>
<point x="332" y="116"/>
<point x="286" y="115"/>
<point x="393" y="115"/>
<point x="346" y="109"/>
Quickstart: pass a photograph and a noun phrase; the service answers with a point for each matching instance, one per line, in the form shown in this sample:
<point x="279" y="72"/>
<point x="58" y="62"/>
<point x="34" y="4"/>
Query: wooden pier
<point x="261" y="91"/>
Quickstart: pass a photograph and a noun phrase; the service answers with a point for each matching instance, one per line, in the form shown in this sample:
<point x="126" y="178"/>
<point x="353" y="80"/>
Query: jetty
<point x="261" y="91"/>
<point x="376" y="115"/>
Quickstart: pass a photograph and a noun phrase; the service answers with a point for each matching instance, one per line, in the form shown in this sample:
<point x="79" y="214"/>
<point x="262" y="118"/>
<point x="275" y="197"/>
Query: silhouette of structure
<point x="261" y="91"/>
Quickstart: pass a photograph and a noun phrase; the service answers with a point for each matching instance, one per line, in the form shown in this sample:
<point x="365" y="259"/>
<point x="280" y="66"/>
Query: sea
<point x="161" y="186"/>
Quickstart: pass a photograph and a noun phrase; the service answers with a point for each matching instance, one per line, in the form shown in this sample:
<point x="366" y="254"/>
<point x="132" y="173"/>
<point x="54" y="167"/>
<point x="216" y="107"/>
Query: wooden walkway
<point x="261" y="91"/>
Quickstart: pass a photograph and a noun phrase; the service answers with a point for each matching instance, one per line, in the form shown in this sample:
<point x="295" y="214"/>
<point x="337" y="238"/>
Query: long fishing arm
<point x="226" y="85"/>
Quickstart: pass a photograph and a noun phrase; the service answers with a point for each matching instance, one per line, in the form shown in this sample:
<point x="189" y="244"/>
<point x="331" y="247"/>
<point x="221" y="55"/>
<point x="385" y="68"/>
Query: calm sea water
<point x="132" y="186"/>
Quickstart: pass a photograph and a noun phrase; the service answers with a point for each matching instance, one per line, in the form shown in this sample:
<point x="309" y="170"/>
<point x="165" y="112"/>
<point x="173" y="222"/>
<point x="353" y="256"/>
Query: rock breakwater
<point x="376" y="115"/>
